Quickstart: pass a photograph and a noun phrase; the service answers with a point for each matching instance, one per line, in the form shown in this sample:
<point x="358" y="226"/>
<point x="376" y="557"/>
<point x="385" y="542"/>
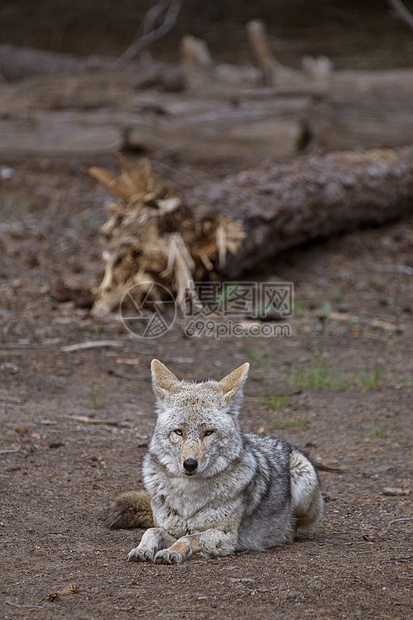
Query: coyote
<point x="210" y="487"/>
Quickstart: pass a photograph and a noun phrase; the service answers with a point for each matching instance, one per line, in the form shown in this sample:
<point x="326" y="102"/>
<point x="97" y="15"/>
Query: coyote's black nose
<point x="190" y="465"/>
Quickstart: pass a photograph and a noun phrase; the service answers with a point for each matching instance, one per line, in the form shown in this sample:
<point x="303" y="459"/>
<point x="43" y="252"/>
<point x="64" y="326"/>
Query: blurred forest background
<point x="353" y="34"/>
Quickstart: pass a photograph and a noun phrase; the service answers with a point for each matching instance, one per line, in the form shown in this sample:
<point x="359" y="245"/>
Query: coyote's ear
<point x="162" y="379"/>
<point x="234" y="381"/>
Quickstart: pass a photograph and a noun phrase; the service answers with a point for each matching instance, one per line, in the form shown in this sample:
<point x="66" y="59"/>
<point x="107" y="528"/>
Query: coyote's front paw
<point x="168" y="556"/>
<point x="140" y="554"/>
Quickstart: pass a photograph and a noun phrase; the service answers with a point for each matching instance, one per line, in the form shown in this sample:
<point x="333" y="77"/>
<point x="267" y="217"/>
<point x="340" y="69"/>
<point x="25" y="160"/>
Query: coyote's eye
<point x="209" y="432"/>
<point x="177" y="431"/>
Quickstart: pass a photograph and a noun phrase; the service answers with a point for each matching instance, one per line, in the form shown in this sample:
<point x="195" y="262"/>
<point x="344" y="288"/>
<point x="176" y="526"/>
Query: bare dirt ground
<point x="341" y="389"/>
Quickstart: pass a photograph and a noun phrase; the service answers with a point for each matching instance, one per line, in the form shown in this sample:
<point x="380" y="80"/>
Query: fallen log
<point x="17" y="62"/>
<point x="227" y="228"/>
<point x="60" y="140"/>
<point x="224" y="133"/>
<point x="49" y="118"/>
<point x="102" y="89"/>
<point x="362" y="121"/>
<point x="312" y="197"/>
<point x="80" y="115"/>
<point x="222" y="113"/>
<point x="367" y="110"/>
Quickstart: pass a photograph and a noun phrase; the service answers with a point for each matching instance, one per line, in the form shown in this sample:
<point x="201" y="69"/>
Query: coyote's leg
<point x="153" y="540"/>
<point x="211" y="542"/>
<point x="306" y="500"/>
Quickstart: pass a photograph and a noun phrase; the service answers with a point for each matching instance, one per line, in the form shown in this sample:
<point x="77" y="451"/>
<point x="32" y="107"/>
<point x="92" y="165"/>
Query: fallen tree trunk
<point x="49" y="117"/>
<point x="216" y="111"/>
<point x="27" y="140"/>
<point x="163" y="236"/>
<point x="17" y="63"/>
<point x="287" y="204"/>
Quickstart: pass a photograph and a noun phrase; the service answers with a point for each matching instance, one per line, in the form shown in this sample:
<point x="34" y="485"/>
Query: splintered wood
<point x="152" y="237"/>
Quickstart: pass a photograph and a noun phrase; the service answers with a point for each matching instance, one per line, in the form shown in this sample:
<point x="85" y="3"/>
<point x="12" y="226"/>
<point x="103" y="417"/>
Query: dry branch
<point x="152" y="34"/>
<point x="262" y="52"/>
<point x="95" y="421"/>
<point x="91" y="344"/>
<point x="402" y="12"/>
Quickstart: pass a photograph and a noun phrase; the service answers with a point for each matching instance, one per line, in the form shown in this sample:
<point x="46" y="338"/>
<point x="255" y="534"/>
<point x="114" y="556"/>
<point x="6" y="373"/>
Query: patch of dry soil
<point x="57" y="473"/>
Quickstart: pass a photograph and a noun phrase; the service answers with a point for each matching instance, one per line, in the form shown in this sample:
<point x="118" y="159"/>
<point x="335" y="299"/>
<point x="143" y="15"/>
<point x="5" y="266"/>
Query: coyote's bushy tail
<point x="130" y="510"/>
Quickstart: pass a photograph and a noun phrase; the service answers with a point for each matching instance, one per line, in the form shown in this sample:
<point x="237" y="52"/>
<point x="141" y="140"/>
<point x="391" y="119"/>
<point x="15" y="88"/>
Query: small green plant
<point x="370" y="380"/>
<point x="275" y="401"/>
<point x="95" y="396"/>
<point x="335" y="294"/>
<point x="281" y="423"/>
<point x="349" y="323"/>
<point x="319" y="375"/>
<point x="14" y="212"/>
<point x="98" y="333"/>
<point x="325" y="310"/>
<point x="325" y="314"/>
<point x="409" y="381"/>
<point x="379" y="430"/>
<point x="303" y="421"/>
<point x="298" y="307"/>
<point x="263" y="361"/>
<point x="91" y="222"/>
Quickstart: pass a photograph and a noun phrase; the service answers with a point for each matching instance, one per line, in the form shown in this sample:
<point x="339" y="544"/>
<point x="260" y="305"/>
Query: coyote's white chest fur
<point x="213" y="488"/>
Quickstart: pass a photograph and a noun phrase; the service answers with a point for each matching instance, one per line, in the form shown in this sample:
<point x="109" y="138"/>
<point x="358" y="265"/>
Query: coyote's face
<point x="197" y="432"/>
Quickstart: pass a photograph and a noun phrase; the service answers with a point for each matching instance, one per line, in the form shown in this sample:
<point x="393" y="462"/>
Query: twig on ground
<point x="172" y="8"/>
<point x="9" y="602"/>
<point x="402" y="520"/>
<point x="402" y="12"/>
<point x="91" y="344"/>
<point x="86" y="420"/>
<point x="393" y="268"/>
<point x="384" y="325"/>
